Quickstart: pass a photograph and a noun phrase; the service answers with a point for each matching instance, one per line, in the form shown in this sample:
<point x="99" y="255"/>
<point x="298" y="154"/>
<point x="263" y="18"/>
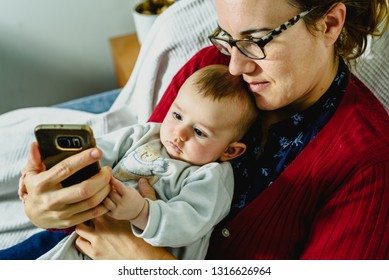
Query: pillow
<point x="372" y="68"/>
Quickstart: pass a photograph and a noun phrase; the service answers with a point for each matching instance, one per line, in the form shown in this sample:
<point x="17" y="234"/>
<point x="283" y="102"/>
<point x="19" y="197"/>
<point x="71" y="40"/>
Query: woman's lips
<point x="258" y="87"/>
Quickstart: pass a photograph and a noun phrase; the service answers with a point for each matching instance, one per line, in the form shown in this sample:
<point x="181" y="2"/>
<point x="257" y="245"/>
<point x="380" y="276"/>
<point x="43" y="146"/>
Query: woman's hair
<point x="363" y="18"/>
<point x="218" y="84"/>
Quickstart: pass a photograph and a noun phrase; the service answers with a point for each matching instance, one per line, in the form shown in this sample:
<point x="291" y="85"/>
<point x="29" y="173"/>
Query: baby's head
<point x="210" y="115"/>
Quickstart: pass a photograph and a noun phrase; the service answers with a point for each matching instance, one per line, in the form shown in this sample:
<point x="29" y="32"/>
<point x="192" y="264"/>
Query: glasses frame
<point x="260" y="42"/>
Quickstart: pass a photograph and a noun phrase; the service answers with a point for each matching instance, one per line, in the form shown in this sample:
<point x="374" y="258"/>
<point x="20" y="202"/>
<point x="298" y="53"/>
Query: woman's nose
<point x="240" y="64"/>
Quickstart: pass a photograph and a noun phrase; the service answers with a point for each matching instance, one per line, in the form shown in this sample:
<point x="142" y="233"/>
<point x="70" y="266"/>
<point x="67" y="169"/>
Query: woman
<point x="314" y="186"/>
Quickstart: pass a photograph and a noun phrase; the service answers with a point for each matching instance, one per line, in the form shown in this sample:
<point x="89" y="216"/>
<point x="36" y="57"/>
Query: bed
<point x="176" y="36"/>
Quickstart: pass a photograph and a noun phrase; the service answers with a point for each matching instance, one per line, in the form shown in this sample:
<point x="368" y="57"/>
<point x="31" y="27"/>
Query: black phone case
<point x="49" y="138"/>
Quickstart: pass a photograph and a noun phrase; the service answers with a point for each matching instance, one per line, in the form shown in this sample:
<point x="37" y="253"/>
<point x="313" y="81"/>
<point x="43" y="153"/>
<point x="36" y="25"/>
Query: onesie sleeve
<point x="204" y="200"/>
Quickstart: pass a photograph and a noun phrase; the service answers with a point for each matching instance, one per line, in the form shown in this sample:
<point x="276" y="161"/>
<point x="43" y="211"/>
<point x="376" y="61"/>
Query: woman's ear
<point x="333" y="22"/>
<point x="233" y="150"/>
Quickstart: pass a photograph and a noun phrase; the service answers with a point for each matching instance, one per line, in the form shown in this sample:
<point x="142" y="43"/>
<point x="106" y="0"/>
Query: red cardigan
<point x="332" y="202"/>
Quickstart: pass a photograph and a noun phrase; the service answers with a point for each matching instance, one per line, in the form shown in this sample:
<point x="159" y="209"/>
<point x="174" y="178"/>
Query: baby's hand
<point x="124" y="203"/>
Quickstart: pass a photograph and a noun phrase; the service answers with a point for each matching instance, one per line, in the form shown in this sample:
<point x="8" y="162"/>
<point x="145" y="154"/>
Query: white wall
<point x="57" y="50"/>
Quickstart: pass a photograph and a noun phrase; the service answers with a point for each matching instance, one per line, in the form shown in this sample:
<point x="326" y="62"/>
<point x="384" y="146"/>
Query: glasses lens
<point x="223" y="46"/>
<point x="250" y="49"/>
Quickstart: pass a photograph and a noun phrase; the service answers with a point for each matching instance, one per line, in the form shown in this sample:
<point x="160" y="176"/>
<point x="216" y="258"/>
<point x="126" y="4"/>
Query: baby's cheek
<point x="202" y="154"/>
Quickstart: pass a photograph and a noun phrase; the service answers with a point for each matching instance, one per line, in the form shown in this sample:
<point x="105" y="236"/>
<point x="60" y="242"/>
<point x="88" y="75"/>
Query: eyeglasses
<point x="253" y="48"/>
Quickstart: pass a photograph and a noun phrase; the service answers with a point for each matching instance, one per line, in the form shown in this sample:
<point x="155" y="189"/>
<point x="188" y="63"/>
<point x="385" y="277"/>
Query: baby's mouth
<point x="175" y="147"/>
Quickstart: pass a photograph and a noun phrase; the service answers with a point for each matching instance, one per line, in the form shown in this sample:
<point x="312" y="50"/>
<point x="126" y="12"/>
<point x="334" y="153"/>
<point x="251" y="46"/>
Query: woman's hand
<point x="48" y="204"/>
<point x="113" y="239"/>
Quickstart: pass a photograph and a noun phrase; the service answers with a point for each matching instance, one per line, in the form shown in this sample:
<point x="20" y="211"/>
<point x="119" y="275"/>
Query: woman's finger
<point x="34" y="163"/>
<point x="71" y="165"/>
<point x="146" y="190"/>
<point x="84" y="241"/>
<point x="90" y="192"/>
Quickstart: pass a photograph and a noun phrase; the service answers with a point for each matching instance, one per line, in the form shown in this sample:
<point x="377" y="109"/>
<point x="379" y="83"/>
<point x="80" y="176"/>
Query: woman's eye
<point x="199" y="133"/>
<point x="224" y="34"/>
<point x="177" y="116"/>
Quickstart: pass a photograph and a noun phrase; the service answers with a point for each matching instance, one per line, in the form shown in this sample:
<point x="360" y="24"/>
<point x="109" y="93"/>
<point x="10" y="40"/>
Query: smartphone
<point x="59" y="141"/>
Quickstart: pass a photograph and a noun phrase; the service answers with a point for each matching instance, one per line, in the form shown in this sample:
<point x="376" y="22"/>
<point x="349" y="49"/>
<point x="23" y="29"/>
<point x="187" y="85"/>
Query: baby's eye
<point x="177" y="116"/>
<point x="199" y="133"/>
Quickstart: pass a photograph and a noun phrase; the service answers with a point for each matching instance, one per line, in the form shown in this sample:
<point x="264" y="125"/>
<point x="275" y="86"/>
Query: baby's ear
<point x="233" y="150"/>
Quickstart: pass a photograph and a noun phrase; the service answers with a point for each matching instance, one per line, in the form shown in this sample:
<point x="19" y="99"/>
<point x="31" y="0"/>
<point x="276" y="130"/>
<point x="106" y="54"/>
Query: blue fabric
<point x="34" y="246"/>
<point x="96" y="104"/>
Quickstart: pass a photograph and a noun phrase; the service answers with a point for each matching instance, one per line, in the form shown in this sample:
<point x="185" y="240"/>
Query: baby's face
<point x="196" y="129"/>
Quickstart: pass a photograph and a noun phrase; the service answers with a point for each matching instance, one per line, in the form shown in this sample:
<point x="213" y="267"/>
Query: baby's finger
<point x="118" y="186"/>
<point x="109" y="204"/>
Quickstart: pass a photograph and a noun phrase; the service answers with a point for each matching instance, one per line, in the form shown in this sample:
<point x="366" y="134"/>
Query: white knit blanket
<point x="373" y="68"/>
<point x="175" y="37"/>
